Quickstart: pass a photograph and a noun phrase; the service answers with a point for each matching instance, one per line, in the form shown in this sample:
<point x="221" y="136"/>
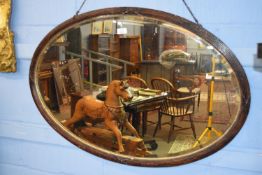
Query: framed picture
<point x="7" y="51"/>
<point x="108" y="26"/>
<point x="97" y="27"/>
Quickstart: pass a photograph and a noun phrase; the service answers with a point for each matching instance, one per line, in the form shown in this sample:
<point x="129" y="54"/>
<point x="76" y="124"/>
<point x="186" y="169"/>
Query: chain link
<point x="184" y="1"/>
<point x="78" y="11"/>
<point x="190" y="11"/>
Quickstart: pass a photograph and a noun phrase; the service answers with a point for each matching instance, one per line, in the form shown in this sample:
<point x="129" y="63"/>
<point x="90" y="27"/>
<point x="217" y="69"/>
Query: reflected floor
<point x="180" y="140"/>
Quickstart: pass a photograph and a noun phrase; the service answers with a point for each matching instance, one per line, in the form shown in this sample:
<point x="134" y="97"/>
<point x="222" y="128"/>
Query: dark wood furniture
<point x="133" y="107"/>
<point x="143" y="106"/>
<point x="68" y="79"/>
<point x="162" y="84"/>
<point x="129" y="51"/>
<point x="98" y="44"/>
<point x="174" y="40"/>
<point x="46" y="77"/>
<point x="150" y="41"/>
<point x="47" y="88"/>
<point x="107" y="44"/>
<point x="136" y="82"/>
<point x="74" y="41"/>
<point x="188" y="85"/>
<point x="173" y="107"/>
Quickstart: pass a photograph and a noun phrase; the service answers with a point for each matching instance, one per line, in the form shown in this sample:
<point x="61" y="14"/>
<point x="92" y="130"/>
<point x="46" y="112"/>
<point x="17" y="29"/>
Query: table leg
<point x="144" y="121"/>
<point x="136" y="120"/>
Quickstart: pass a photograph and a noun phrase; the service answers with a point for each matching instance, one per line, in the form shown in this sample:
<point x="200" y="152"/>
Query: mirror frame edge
<point x="184" y="23"/>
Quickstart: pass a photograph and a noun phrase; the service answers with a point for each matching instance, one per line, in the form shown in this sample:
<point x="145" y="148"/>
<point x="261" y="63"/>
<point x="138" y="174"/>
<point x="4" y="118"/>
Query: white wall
<point x="29" y="146"/>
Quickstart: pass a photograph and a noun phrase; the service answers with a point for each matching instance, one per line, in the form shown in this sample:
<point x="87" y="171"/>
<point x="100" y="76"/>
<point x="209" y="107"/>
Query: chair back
<point x="136" y="82"/>
<point x="173" y="106"/>
<point x="68" y="78"/>
<point x="178" y="107"/>
<point x="162" y="84"/>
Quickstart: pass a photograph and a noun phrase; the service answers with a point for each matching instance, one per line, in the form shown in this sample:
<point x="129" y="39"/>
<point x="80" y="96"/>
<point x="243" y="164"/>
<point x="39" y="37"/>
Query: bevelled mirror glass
<point x="139" y="86"/>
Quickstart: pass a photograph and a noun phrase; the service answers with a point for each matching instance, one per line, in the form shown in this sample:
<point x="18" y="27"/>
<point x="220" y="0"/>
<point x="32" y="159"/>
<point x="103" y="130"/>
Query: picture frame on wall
<point x="7" y="50"/>
<point x="108" y="26"/>
<point x="97" y="27"/>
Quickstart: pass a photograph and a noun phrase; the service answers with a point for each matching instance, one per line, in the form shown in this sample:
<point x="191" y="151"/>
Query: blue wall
<point x="29" y="146"/>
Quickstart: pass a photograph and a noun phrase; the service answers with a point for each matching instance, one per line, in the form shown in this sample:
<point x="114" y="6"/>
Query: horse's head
<point x="121" y="89"/>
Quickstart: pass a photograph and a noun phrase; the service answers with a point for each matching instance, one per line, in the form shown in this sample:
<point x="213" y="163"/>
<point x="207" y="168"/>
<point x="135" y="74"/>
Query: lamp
<point x="168" y="58"/>
<point x="209" y="129"/>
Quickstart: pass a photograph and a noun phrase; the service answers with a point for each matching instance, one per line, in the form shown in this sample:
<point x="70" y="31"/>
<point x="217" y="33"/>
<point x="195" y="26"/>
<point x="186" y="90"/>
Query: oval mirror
<point x="139" y="86"/>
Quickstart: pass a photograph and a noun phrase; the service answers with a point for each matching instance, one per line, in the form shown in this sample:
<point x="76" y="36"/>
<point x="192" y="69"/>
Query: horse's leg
<point x="134" y="131"/>
<point x="75" y="118"/>
<point x="112" y="125"/>
<point x="131" y="128"/>
<point x="78" y="114"/>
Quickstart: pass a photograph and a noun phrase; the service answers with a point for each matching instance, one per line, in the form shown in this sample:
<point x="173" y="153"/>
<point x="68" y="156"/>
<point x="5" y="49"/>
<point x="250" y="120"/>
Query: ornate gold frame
<point x="7" y="55"/>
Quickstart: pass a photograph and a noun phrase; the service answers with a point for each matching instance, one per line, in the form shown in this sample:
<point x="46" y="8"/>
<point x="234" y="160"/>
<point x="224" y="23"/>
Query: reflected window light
<point x="120" y="24"/>
<point x="210" y="47"/>
<point x="122" y="31"/>
<point x="197" y="40"/>
<point x="132" y="23"/>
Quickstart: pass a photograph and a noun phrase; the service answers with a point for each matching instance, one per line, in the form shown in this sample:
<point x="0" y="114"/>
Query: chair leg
<point x="144" y="120"/>
<point x="160" y="120"/>
<point x="158" y="124"/>
<point x="192" y="126"/>
<point x="172" y="126"/>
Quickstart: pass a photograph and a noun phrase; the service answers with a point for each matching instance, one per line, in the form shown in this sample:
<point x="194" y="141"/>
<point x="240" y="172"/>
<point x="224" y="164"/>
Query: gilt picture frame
<point x="7" y="53"/>
<point x="108" y="26"/>
<point x="97" y="27"/>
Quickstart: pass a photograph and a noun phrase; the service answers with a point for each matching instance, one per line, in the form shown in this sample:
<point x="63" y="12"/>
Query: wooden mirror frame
<point x="137" y="161"/>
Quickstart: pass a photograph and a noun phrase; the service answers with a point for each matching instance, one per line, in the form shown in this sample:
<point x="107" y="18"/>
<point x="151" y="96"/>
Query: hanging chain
<point x="77" y="12"/>
<point x="184" y="1"/>
<point x="190" y="11"/>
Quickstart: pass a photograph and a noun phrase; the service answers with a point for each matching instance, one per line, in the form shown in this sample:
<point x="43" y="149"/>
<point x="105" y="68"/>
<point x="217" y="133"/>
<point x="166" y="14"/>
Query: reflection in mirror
<point x="173" y="83"/>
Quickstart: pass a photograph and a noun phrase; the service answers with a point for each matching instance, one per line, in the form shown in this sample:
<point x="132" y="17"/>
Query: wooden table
<point x="143" y="106"/>
<point x="134" y="107"/>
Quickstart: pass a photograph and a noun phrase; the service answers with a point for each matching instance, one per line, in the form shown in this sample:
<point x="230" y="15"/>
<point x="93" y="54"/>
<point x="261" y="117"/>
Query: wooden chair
<point x="162" y="84"/>
<point x="68" y="69"/>
<point x="136" y="82"/>
<point x="165" y="86"/>
<point x="68" y="79"/>
<point x="173" y="106"/>
<point x="188" y="85"/>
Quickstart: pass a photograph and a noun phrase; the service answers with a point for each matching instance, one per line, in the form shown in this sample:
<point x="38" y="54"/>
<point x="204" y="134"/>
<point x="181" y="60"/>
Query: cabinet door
<point x="150" y="38"/>
<point x="129" y="51"/>
<point x="134" y="50"/>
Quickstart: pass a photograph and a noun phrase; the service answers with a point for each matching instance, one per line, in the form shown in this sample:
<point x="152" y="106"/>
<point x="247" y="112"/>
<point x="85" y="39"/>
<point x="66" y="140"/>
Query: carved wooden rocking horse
<point x="111" y="111"/>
